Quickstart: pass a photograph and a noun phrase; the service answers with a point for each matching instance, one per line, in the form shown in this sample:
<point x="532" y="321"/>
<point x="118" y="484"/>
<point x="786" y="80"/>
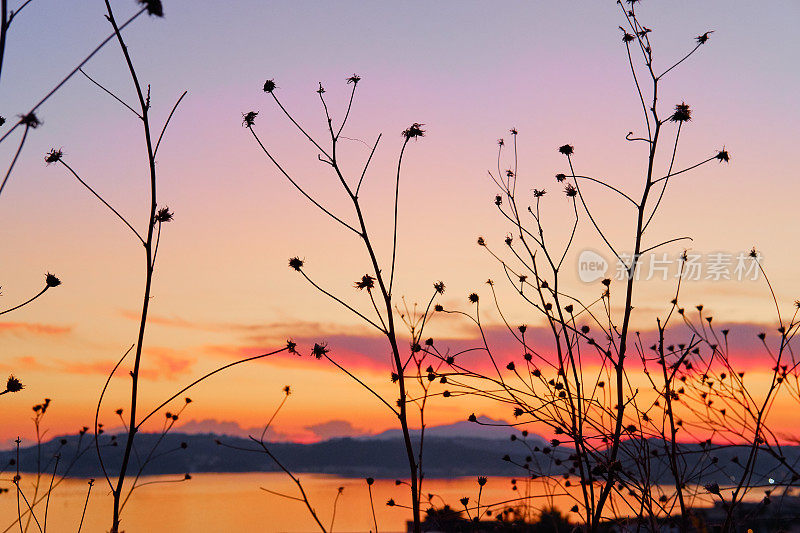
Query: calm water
<point x="235" y="502"/>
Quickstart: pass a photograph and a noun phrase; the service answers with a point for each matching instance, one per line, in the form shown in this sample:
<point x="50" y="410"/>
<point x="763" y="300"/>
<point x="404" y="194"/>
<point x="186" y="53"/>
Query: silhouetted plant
<point x="378" y="282"/>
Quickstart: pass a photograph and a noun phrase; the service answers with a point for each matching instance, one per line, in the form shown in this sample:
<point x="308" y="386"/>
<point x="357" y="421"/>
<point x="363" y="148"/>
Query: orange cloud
<point x="162" y="363"/>
<point x="33" y="328"/>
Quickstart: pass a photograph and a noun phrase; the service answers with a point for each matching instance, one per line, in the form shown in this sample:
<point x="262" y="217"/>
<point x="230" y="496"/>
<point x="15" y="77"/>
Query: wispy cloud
<point x="31" y="328"/>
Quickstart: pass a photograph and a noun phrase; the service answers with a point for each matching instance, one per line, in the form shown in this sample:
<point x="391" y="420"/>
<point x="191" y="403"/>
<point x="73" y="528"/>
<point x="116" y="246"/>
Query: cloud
<point x="34" y="329"/>
<point x="335" y="428"/>
<point x="159" y="363"/>
<point x="364" y="351"/>
<point x="233" y="429"/>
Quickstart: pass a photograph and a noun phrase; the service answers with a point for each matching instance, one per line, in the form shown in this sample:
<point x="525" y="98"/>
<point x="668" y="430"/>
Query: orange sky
<point x="556" y="71"/>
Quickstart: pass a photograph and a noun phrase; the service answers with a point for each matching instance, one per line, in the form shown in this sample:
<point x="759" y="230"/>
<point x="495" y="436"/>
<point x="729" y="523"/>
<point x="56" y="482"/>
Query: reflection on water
<point x="234" y="502"/>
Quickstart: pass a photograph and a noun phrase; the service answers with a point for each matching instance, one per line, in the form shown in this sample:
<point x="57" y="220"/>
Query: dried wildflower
<point x="249" y="118"/>
<point x="354" y="79"/>
<point x="701" y="39"/>
<point x="509" y="240"/>
<point x="560" y="177"/>
<point x="722" y="155"/>
<point x="30" y="120"/>
<point x="164" y="215"/>
<point x="291" y="346"/>
<point x="712" y="488"/>
<point x="498" y="200"/>
<point x="118" y="412"/>
<point x="627" y="37"/>
<point x="753" y="253"/>
<point x="269" y="86"/>
<point x="153" y="7"/>
<point x="472" y="418"/>
<point x="439" y="287"/>
<point x="287" y="390"/>
<point x="566" y="149"/>
<point x="568" y="308"/>
<point x="296" y="263"/>
<point x="321" y="89"/>
<point x="319" y="350"/>
<point x="13" y="384"/>
<point x="370" y="481"/>
<point x="366" y="282"/>
<point x="438" y="308"/>
<point x="390" y="503"/>
<point x="481" y="241"/>
<point x="513" y="131"/>
<point x="51" y="280"/>
<point x="2" y="120"/>
<point x="509" y="173"/>
<point x="473" y="298"/>
<point x="570" y="190"/>
<point x="522" y="329"/>
<point x="511" y="366"/>
<point x="606" y="282"/>
<point x="538" y="193"/>
<point x="682" y="113"/>
<point x="53" y="156"/>
<point x="414" y="131"/>
<point x="464" y="501"/>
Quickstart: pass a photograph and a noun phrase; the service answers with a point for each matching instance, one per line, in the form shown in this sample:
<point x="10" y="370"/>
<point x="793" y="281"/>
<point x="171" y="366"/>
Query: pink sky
<point x="469" y="71"/>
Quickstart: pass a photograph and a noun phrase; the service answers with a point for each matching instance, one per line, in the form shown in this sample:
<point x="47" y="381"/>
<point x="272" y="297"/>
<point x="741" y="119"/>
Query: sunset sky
<point x="469" y="71"/>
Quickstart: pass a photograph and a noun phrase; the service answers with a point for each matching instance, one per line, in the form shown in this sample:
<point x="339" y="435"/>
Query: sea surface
<point x="237" y="503"/>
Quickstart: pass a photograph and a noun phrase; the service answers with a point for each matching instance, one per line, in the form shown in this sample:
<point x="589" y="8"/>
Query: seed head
<point x="30" y="120"/>
<point x="53" y="156"/>
<point x="51" y="280"/>
<point x="249" y="118"/>
<point x="414" y="131"/>
<point x="566" y="149"/>
<point x="538" y="193"/>
<point x="560" y="177"/>
<point x="701" y="39"/>
<point x="439" y="287"/>
<point x="154" y="7"/>
<point x="723" y="156"/>
<point x="366" y="282"/>
<point x="570" y="190"/>
<point x="269" y="86"/>
<point x="354" y="79"/>
<point x="13" y="384"/>
<point x="164" y="215"/>
<point x="296" y="263"/>
<point x="473" y="298"/>
<point x="682" y="113"/>
<point x="319" y="350"/>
